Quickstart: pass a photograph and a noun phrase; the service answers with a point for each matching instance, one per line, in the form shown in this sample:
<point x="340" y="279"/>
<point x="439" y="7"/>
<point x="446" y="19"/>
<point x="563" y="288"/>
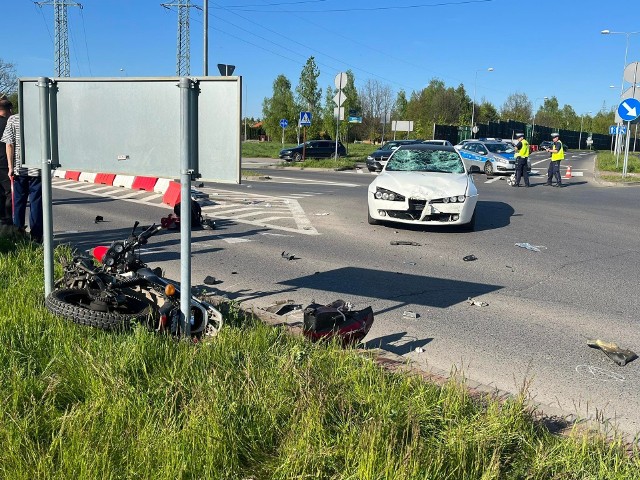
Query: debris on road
<point x="419" y="350"/>
<point x="469" y="258"/>
<point x="321" y="214"/>
<point x="99" y="219"/>
<point x="288" y="256"/>
<point x="337" y="320"/>
<point x="405" y="242"/>
<point x="410" y="314"/>
<point x="528" y="246"/>
<point x="208" y="224"/>
<point x="282" y="307"/>
<point x="621" y="356"/>
<point x="477" y="303"/>
<point x="209" y="280"/>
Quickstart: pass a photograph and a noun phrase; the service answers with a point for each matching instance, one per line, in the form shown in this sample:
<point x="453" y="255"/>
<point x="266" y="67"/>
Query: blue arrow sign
<point x="305" y="119"/>
<point x="284" y="123"/>
<point x="615" y="129"/>
<point x="629" y="109"/>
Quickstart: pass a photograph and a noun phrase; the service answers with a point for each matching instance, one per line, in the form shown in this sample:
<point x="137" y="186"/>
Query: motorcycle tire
<point x="73" y="304"/>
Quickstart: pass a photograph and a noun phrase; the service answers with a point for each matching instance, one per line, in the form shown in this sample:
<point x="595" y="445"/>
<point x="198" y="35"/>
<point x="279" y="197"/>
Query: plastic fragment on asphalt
<point x="469" y="258"/>
<point x="477" y="303"/>
<point x="321" y="214"/>
<point x="528" y="246"/>
<point x="288" y="256"/>
<point x="404" y="242"/>
<point x="409" y="263"/>
<point x="621" y="356"/>
<point x="99" y="219"/>
<point x="419" y="350"/>
<point x="282" y="307"/>
<point x="410" y="314"/>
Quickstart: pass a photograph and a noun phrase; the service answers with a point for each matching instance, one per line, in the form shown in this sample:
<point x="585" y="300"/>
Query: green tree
<point x="280" y="105"/>
<point x="486" y="112"/>
<point x="377" y="103"/>
<point x="400" y="111"/>
<point x="8" y="78"/>
<point x="517" y="107"/>
<point x="309" y="95"/>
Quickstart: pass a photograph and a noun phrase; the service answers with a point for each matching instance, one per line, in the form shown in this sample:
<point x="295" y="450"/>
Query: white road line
<point x="310" y="181"/>
<point x="494" y="179"/>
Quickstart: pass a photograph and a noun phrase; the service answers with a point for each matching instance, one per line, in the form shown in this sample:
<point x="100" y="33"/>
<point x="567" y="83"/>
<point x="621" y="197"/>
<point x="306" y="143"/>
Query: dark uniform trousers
<point x="521" y="170"/>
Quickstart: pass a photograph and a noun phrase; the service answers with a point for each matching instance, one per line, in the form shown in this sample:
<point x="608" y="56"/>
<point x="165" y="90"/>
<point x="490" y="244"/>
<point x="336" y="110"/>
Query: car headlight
<point x="455" y="199"/>
<point x="369" y="157"/>
<point x="384" y="194"/>
<point x="285" y="152"/>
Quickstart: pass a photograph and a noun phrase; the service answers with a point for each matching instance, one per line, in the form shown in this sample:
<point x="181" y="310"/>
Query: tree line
<point x="378" y="105"/>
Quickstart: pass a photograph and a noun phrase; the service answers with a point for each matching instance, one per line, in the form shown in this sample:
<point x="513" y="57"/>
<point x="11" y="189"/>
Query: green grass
<point x="255" y="402"/>
<point x="610" y="171"/>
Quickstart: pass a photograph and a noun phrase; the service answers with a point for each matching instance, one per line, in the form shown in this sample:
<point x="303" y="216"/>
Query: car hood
<point x="424" y="185"/>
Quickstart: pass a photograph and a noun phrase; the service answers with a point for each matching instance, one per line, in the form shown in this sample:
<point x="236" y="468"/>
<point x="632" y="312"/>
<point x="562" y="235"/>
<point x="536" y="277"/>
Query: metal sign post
<point x="340" y="82"/>
<point x="45" y="176"/>
<point x="283" y="124"/>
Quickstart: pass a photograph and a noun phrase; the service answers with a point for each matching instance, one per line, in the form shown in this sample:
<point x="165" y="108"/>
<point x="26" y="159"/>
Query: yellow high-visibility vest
<point x="559" y="155"/>
<point x="524" y="151"/>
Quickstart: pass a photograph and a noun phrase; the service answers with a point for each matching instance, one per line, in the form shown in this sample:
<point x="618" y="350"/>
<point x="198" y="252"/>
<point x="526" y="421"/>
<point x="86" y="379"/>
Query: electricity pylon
<point x="62" y="64"/>
<point x="183" y="57"/>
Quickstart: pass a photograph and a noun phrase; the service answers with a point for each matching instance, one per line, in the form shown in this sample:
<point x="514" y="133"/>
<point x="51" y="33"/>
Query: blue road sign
<point x="615" y="129"/>
<point x="629" y="109"/>
<point x="284" y="123"/>
<point x="305" y="119"/>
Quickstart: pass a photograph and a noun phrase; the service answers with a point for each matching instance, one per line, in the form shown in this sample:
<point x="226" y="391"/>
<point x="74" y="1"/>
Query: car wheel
<point x="471" y="226"/>
<point x="371" y="220"/>
<point x="371" y="169"/>
<point x="297" y="157"/>
<point x="488" y="169"/>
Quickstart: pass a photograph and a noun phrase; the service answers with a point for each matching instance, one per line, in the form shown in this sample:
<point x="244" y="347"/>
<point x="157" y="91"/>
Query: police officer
<point x="522" y="159"/>
<point x="557" y="154"/>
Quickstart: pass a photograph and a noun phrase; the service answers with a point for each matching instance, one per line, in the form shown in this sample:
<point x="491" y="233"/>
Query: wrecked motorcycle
<point x="113" y="288"/>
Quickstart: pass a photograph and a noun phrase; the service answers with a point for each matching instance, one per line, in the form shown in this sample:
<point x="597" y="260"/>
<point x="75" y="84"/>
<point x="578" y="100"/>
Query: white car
<point x="423" y="185"/>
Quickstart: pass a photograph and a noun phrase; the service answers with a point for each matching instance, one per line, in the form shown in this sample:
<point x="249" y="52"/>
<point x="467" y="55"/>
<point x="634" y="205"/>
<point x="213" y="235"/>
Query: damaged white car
<point x="424" y="185"/>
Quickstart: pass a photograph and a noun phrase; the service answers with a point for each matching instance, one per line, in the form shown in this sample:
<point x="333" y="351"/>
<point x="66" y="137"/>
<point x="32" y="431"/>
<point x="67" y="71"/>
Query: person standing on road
<point x="557" y="155"/>
<point x="522" y="159"/>
<point x="6" y="204"/>
<point x="27" y="182"/>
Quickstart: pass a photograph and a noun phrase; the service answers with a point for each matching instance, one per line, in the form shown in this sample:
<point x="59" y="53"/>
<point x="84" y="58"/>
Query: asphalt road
<point x="542" y="306"/>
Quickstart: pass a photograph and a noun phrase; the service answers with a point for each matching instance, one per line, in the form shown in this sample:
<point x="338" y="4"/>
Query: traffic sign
<point x="305" y="119"/>
<point x="632" y="73"/>
<point x="615" y="129"/>
<point x="339" y="98"/>
<point x="629" y="109"/>
<point x="355" y="119"/>
<point x="284" y="123"/>
<point x="341" y="80"/>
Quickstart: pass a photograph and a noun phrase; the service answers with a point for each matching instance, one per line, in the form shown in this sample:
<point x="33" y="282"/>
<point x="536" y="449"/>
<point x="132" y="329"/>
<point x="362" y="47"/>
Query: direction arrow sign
<point x="284" y="123"/>
<point x="305" y="119"/>
<point x="629" y="109"/>
<point x="615" y="129"/>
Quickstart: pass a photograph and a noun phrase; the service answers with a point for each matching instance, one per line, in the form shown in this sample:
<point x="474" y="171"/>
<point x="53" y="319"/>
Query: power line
<point x="369" y="9"/>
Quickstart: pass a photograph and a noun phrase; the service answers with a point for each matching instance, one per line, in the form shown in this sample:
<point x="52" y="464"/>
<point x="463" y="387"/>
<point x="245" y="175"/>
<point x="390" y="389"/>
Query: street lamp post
<point x="473" y="106"/>
<point x="580" y="137"/>
<point x="533" y="127"/>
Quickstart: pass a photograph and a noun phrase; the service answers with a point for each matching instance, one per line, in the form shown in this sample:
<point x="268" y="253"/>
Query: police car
<point x="490" y="156"/>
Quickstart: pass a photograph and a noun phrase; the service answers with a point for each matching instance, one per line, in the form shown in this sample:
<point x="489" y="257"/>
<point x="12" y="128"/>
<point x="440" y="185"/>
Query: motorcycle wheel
<point x="73" y="304"/>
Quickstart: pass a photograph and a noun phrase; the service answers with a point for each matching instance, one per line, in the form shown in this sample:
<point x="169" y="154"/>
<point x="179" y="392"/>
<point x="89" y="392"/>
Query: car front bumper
<point x="422" y="212"/>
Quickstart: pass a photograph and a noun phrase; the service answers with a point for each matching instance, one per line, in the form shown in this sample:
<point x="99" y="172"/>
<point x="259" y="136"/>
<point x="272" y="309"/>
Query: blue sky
<point x="540" y="48"/>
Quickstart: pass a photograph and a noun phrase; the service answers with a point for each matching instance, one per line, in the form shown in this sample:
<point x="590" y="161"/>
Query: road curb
<point x="554" y="419"/>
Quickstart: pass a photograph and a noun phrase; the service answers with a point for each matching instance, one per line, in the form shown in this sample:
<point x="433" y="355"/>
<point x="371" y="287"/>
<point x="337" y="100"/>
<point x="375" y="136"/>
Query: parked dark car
<point x="377" y="159"/>
<point x="313" y="149"/>
<point x="545" y="144"/>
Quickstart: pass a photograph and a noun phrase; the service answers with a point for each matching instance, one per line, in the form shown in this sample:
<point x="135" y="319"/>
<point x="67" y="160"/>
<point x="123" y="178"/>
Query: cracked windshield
<point x="425" y="161"/>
